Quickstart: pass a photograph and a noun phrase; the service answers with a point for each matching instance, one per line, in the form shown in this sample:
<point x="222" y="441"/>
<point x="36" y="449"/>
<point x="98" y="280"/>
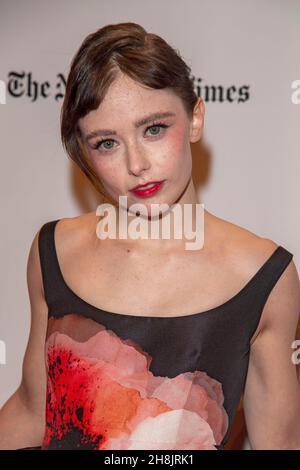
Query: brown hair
<point x="125" y="47"/>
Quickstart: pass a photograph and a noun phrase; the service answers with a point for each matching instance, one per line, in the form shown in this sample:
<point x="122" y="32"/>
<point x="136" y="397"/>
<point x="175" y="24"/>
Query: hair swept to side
<point x="127" y="47"/>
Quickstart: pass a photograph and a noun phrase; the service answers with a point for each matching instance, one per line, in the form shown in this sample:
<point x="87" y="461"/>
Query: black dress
<point x="117" y="381"/>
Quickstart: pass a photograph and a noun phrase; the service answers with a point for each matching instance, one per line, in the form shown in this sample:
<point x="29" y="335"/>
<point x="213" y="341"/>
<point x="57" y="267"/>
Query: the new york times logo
<point x="220" y="93"/>
<point x="25" y="85"/>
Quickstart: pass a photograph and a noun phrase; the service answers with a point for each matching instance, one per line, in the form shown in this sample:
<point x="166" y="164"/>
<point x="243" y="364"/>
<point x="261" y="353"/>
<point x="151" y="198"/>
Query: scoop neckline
<point x="151" y="317"/>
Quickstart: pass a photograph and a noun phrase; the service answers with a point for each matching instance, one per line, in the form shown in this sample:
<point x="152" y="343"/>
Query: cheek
<point x="179" y="151"/>
<point x="109" y="175"/>
<point x="178" y="143"/>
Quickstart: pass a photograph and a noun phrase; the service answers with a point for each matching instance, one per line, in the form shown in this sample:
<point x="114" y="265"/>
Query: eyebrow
<point x="139" y="123"/>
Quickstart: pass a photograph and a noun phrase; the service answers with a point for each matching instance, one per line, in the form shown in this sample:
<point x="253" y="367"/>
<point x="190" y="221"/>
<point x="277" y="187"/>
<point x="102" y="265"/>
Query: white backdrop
<point x="254" y="144"/>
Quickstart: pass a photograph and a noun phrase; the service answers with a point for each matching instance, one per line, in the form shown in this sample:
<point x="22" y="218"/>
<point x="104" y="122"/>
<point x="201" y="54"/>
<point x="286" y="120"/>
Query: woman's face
<point x="125" y="153"/>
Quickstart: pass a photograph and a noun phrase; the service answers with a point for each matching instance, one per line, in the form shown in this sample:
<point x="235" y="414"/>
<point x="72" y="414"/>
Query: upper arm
<point x="33" y="384"/>
<point x="272" y="394"/>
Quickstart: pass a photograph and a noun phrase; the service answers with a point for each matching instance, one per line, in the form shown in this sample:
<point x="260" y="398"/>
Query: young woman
<point x="150" y="345"/>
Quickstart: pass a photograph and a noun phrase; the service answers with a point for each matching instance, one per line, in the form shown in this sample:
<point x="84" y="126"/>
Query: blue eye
<point x="101" y="142"/>
<point x="158" y="125"/>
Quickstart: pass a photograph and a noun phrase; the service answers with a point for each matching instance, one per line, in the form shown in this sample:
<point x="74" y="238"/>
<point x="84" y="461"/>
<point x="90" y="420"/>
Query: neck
<point x="174" y="227"/>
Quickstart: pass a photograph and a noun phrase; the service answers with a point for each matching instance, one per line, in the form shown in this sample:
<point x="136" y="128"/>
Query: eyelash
<point x="156" y="124"/>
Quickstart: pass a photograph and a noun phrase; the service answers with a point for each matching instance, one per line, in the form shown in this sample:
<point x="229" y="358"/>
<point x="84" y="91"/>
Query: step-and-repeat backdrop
<point x="245" y="60"/>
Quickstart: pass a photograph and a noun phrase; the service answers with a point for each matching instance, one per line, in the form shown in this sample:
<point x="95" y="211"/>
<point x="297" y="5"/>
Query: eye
<point x="158" y="126"/>
<point x="98" y="144"/>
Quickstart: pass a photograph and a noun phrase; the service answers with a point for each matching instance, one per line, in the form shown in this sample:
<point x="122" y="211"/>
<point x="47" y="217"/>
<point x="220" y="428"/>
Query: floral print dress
<point x="117" y="381"/>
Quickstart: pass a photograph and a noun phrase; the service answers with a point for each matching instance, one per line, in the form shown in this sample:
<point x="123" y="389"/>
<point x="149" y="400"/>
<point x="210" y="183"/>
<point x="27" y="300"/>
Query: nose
<point x="137" y="161"/>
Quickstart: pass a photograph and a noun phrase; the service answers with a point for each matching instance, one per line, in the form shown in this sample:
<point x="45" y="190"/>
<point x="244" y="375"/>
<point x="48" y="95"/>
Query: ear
<point x="197" y="121"/>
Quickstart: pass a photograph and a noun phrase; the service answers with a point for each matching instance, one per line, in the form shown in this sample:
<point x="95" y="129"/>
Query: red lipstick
<point x="149" y="190"/>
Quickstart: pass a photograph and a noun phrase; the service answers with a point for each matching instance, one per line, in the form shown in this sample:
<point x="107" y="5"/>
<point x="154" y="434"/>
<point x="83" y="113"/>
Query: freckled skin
<point x="136" y="155"/>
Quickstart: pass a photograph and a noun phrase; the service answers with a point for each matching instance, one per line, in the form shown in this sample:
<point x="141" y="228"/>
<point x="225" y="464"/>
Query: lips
<point x="145" y="184"/>
<point x="147" y="189"/>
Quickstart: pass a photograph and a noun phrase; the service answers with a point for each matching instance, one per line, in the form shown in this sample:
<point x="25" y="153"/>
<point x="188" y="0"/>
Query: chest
<point x="126" y="281"/>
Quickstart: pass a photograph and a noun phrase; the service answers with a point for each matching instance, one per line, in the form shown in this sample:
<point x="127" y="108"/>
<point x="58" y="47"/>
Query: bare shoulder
<point x="247" y="252"/>
<point x="244" y="249"/>
<point x="72" y="232"/>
